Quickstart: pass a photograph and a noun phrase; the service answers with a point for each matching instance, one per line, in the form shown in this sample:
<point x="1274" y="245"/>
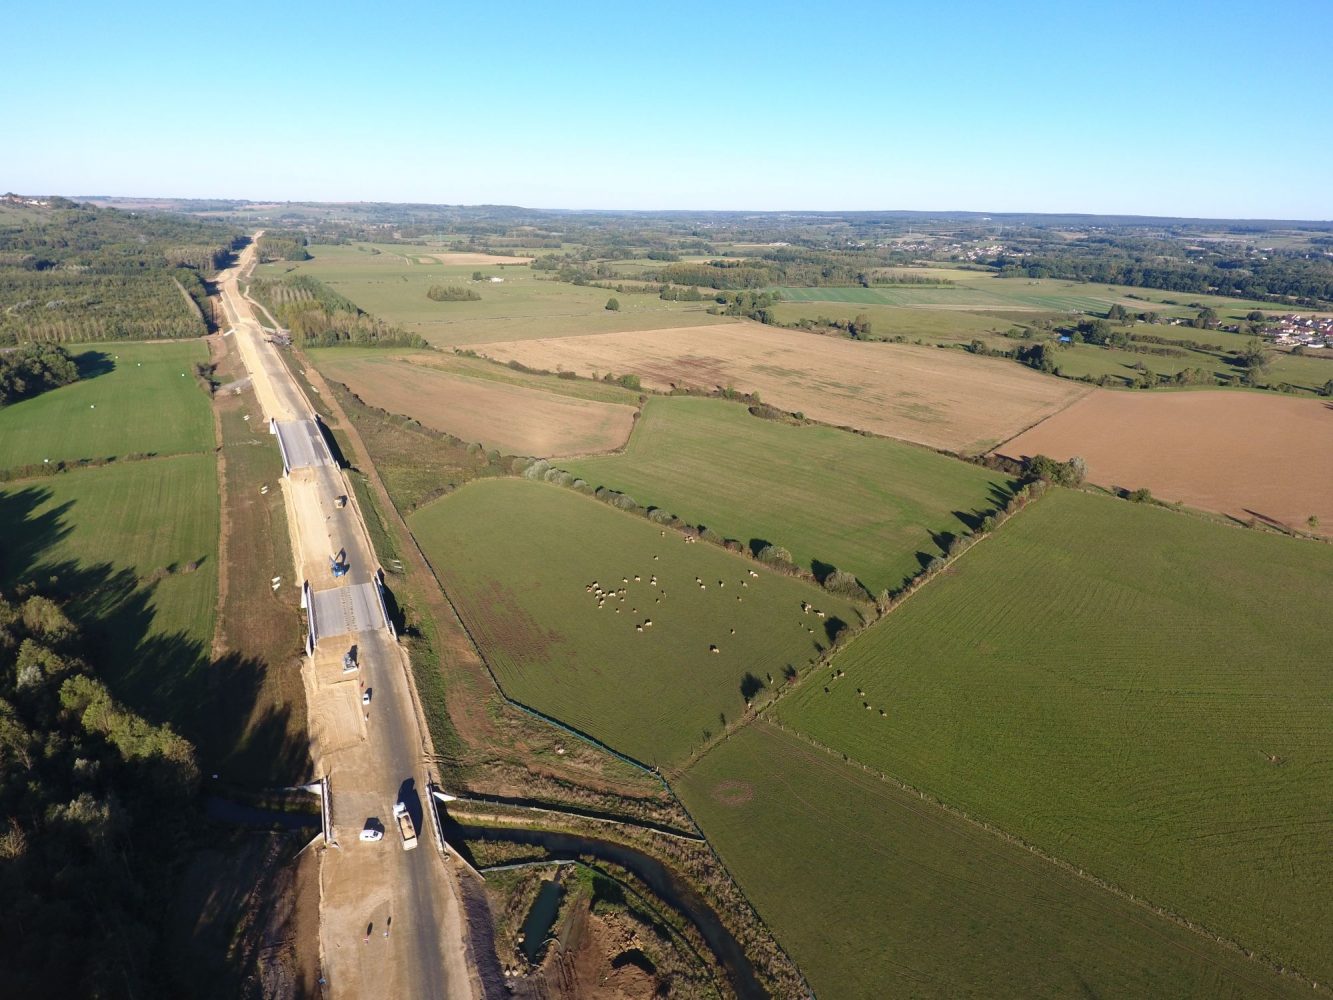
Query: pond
<point x="540" y="919"/>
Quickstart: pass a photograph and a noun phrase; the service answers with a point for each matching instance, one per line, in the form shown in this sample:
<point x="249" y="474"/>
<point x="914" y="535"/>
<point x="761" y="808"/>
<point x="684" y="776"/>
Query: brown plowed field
<point x="513" y="419"/>
<point x="944" y="399"/>
<point x="1246" y="454"/>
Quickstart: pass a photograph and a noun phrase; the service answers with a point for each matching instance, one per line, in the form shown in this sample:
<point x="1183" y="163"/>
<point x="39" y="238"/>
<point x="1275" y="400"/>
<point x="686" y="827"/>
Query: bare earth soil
<point x="513" y="419"/>
<point x="944" y="399"/>
<point x="1245" y="454"/>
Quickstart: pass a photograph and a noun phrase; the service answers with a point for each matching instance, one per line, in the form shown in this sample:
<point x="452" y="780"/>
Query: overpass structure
<point x="364" y="728"/>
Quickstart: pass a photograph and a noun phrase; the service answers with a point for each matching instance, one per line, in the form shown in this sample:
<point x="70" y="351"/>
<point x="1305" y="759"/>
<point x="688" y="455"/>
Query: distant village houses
<point x="1306" y="331"/>
<point x="10" y="198"/>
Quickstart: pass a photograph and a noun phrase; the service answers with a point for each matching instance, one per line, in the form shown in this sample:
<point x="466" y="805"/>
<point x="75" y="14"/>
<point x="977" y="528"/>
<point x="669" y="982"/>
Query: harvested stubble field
<point x="874" y="507"/>
<point x="515" y="419"/>
<point x="121" y="539"/>
<point x="517" y="556"/>
<point x="943" y="399"/>
<point x="133" y="399"/>
<point x="1139" y="692"/>
<point x="392" y="284"/>
<point x="1244" y="454"/>
<point x="877" y="893"/>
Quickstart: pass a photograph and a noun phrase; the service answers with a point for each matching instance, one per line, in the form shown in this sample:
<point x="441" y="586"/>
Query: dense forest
<point x="71" y="273"/>
<point x="1300" y="277"/>
<point x="34" y="368"/>
<point x="318" y="316"/>
<point x="93" y="803"/>
<point x="281" y="245"/>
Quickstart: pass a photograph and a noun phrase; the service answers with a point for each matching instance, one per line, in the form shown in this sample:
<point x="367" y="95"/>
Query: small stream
<point x="668" y="886"/>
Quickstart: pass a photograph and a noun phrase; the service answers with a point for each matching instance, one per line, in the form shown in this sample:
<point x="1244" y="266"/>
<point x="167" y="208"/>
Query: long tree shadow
<point x="92" y="364"/>
<point x="822" y="570"/>
<point x="163" y="677"/>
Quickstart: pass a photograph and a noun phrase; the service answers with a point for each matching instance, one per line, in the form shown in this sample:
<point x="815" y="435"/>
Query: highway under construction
<point x="390" y="920"/>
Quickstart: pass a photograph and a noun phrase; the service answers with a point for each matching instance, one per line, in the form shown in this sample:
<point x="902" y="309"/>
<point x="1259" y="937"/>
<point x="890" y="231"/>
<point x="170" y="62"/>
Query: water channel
<point x="664" y="883"/>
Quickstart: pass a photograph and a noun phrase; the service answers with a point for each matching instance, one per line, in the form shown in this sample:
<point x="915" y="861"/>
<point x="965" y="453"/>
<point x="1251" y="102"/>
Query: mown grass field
<point x="139" y="404"/>
<point x="515" y="556"/>
<point x="942" y="325"/>
<point x="103" y="534"/>
<point x="393" y="285"/>
<point x="976" y="290"/>
<point x="1139" y="692"/>
<point x="874" y="507"/>
<point x="876" y="893"/>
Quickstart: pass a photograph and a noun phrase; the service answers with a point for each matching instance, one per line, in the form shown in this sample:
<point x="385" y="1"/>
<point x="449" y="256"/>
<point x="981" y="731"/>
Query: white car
<point x="372" y="832"/>
<point x="365" y="698"/>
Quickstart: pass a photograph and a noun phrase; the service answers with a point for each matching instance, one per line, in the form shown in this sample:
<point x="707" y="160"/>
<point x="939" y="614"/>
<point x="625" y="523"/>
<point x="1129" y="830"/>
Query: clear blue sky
<point x="1173" y="107"/>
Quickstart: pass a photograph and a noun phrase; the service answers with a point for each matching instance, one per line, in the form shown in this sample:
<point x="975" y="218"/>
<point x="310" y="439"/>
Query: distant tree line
<point x="34" y="368"/>
<point x="1283" y="277"/>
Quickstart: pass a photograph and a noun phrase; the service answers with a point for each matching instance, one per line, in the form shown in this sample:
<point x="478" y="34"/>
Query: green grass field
<point x="516" y="556"/>
<point x="867" y="505"/>
<point x="980" y="290"/>
<point x="102" y="534"/>
<point x="393" y="283"/>
<point x="1139" y="692"/>
<point x="141" y="404"/>
<point x="876" y="893"/>
<point x="956" y="326"/>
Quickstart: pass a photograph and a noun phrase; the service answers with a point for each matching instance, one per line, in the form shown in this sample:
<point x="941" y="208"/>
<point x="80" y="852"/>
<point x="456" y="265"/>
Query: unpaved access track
<point x="390" y="920"/>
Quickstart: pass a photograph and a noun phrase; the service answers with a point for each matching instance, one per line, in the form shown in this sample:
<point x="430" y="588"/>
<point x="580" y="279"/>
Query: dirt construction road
<point x="390" y="921"/>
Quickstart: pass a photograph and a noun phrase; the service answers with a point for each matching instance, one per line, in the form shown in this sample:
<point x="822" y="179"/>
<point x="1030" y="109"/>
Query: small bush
<point x="844" y="583"/>
<point x="452" y="293"/>
<point x="613" y="304"/>
<point x="537" y="470"/>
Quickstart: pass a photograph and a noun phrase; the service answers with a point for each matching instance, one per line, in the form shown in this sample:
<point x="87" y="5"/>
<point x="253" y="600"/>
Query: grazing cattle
<point x="714" y="649"/>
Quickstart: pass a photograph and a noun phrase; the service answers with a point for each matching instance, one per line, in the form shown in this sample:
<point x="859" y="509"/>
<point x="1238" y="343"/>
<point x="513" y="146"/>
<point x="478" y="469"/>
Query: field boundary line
<point x="1050" y="416"/>
<point x="919" y="582"/>
<point x="1275" y="965"/>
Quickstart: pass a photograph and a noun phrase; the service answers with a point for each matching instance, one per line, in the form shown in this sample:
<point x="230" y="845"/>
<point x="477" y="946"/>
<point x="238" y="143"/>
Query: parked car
<point x="373" y="831"/>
